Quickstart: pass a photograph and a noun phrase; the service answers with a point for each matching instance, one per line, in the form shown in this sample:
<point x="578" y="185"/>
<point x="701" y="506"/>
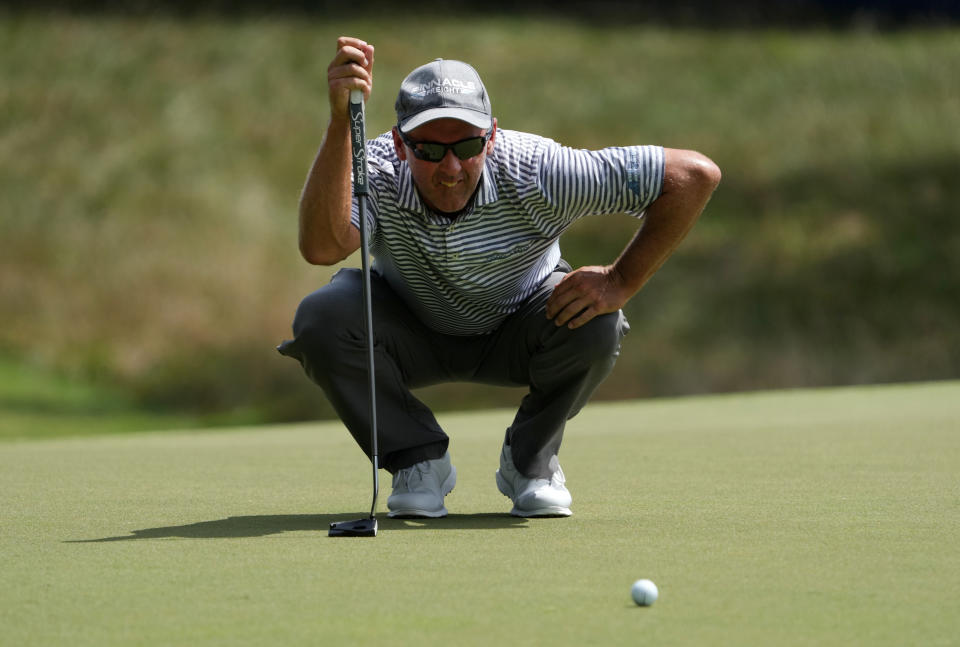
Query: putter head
<point x="355" y="528"/>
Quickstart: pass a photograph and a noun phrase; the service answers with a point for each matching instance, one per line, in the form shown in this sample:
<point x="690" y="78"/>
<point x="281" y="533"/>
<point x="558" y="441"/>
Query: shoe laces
<point x="410" y="476"/>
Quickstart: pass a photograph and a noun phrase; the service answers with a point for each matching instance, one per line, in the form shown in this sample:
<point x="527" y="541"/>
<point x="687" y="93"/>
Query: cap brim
<point x="472" y="117"/>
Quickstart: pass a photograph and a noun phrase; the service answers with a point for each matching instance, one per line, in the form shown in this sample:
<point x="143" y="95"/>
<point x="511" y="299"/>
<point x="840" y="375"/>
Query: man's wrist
<point x="624" y="282"/>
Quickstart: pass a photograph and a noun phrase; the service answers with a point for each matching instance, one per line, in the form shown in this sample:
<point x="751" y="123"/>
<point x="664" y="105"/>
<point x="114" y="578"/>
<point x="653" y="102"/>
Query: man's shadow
<point x="264" y="525"/>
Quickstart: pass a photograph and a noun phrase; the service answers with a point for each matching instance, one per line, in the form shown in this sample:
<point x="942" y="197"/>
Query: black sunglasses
<point x="435" y="151"/>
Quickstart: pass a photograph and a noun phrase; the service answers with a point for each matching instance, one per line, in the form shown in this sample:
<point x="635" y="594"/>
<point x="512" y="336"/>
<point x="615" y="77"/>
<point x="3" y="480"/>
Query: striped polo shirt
<point x="465" y="276"/>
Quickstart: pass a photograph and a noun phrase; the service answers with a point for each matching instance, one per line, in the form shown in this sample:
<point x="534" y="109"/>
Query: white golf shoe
<point x="533" y="497"/>
<point x="418" y="490"/>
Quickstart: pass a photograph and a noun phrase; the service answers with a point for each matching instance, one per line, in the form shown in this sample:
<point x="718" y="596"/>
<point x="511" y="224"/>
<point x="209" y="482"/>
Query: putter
<point x="363" y="527"/>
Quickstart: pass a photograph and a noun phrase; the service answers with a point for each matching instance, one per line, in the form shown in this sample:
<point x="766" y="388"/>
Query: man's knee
<point x="327" y="316"/>
<point x="599" y="339"/>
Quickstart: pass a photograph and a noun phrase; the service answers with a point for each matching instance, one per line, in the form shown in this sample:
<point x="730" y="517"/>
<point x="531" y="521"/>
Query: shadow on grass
<point x="264" y="525"/>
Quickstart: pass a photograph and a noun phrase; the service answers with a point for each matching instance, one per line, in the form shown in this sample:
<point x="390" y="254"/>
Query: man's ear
<point x="493" y="136"/>
<point x="398" y="144"/>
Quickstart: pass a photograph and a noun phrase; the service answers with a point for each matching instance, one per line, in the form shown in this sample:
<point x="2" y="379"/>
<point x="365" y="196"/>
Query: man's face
<point x="445" y="186"/>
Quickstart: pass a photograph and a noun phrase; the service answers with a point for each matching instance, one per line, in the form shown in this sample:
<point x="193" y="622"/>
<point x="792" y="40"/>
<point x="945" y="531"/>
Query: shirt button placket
<point x="452" y="249"/>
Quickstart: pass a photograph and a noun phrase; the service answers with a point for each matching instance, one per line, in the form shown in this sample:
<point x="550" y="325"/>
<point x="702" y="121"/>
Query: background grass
<point x="151" y="169"/>
<point x="825" y="517"/>
<point x="37" y="404"/>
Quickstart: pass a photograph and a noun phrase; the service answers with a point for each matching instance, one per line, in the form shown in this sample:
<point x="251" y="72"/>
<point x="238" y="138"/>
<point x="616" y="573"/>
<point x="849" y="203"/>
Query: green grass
<point x="148" y="199"/>
<point x="38" y="404"/>
<point x="825" y="517"/>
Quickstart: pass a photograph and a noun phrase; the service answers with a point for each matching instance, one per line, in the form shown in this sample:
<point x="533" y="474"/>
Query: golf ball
<point x="644" y="592"/>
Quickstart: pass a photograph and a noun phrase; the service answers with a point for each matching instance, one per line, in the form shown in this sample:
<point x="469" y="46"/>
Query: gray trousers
<point x="561" y="367"/>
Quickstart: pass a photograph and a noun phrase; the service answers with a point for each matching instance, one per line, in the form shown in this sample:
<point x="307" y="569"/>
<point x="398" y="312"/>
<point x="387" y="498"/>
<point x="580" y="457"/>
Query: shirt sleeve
<point x="574" y="183"/>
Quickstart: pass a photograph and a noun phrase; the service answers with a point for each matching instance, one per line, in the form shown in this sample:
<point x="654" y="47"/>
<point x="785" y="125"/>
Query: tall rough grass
<point x="150" y="170"/>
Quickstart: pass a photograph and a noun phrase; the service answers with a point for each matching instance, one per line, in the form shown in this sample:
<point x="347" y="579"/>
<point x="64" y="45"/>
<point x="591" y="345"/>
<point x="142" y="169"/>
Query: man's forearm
<point x="668" y="220"/>
<point x="326" y="234"/>
<point x="662" y="231"/>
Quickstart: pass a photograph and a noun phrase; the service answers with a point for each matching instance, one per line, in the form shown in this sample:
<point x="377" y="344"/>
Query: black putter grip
<point x="359" y="143"/>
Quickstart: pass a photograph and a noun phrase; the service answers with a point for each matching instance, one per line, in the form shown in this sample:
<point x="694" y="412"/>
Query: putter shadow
<point x="265" y="525"/>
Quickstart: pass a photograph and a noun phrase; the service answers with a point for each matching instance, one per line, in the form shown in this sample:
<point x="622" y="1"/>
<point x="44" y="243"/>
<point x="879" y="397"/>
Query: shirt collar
<point x="488" y="186"/>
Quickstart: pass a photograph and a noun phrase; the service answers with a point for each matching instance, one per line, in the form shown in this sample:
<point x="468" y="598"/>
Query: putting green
<point x="784" y="518"/>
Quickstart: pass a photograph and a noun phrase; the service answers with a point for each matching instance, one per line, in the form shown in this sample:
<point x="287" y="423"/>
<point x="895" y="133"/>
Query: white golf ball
<point x="644" y="592"/>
